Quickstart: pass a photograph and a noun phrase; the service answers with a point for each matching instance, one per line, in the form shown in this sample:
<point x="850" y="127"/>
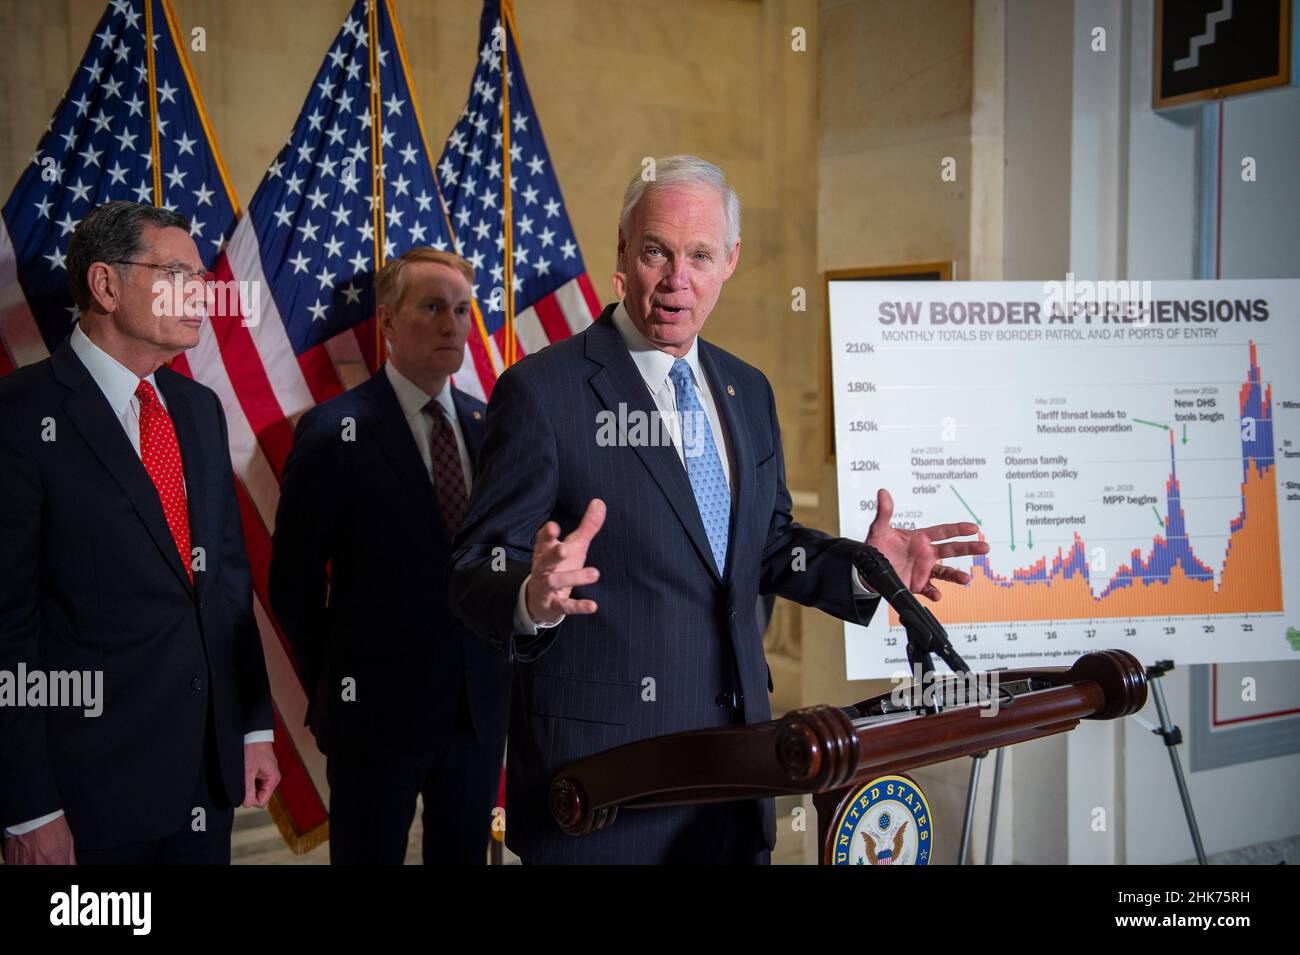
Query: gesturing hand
<point x="917" y="555"/>
<point x="559" y="566"/>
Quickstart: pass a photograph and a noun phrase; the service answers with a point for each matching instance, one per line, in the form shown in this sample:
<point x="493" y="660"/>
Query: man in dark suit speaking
<point x="121" y="554"/>
<point x="663" y="637"/>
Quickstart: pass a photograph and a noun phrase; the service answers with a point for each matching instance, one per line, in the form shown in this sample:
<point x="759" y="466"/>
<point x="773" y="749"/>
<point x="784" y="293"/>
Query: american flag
<point x="539" y="292"/>
<point x="324" y="217"/>
<point x="98" y="147"/>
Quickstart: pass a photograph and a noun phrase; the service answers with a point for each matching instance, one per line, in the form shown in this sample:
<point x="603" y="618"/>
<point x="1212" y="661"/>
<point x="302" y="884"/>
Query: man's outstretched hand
<point x="917" y="555"/>
<point x="560" y="565"/>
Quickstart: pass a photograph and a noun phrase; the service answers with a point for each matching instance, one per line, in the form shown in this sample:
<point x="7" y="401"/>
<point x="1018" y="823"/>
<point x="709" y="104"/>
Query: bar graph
<point x="1138" y="483"/>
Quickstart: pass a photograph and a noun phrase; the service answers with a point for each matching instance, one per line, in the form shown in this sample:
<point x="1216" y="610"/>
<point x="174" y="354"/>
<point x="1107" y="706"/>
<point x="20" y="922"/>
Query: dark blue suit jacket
<point x="90" y="579"/>
<point x="360" y="562"/>
<point x="673" y="645"/>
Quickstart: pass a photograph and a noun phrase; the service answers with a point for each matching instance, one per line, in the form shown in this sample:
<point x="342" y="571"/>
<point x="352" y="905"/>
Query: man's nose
<point x="200" y="301"/>
<point x="678" y="275"/>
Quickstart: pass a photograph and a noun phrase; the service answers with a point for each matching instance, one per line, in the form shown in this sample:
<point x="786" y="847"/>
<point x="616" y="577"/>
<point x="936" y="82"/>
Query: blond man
<point x="404" y="701"/>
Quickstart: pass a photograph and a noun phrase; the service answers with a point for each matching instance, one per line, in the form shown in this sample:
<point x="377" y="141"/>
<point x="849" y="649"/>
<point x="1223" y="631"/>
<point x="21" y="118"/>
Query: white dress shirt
<point x="116" y="381"/>
<point x="654" y="366"/>
<point x="118" y="384"/>
<point x="413" y="400"/>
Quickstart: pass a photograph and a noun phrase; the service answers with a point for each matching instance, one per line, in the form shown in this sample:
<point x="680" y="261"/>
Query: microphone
<point x="924" y="632"/>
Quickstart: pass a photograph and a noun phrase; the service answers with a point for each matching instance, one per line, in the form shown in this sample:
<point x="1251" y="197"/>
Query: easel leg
<point x="993" y="810"/>
<point x="1172" y="736"/>
<point x="972" y="789"/>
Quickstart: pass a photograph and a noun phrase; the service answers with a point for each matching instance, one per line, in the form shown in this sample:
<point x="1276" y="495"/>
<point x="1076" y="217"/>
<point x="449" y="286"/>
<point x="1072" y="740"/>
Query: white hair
<point x="675" y="170"/>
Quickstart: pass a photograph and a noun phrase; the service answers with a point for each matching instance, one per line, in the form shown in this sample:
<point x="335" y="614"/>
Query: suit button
<point x="723" y="699"/>
<point x="196" y="684"/>
<point x="731" y="612"/>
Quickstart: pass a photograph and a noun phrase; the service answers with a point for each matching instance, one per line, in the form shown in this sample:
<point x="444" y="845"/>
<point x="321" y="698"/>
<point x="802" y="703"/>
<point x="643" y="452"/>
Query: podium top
<point x="821" y="748"/>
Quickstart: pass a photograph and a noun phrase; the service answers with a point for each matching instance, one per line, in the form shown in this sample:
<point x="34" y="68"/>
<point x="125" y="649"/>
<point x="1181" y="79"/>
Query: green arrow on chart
<point x="1184" y="434"/>
<point x="1011" y="515"/>
<point x="965" y="505"/>
<point x="1157" y="514"/>
<point x="1031" y="538"/>
<point x="1154" y="424"/>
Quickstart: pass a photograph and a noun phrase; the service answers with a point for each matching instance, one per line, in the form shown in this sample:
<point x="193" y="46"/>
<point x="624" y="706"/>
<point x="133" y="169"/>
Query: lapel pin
<point x="477" y="415"/>
<point x="731" y="390"/>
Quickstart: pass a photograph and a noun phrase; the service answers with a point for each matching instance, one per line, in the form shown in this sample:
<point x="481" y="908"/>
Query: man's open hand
<point x="917" y="555"/>
<point x="560" y="565"/>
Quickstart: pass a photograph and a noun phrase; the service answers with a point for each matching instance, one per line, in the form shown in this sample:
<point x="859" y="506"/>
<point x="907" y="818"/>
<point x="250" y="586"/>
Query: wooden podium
<point x="833" y="751"/>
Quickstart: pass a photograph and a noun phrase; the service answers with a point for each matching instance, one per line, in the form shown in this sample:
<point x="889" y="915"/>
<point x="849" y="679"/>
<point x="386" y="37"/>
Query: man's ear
<point x="622" y="250"/>
<point x="105" y="286"/>
<point x="733" y="259"/>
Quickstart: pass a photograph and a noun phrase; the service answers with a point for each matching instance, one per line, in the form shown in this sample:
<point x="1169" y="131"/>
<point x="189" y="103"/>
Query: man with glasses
<point x="121" y="558"/>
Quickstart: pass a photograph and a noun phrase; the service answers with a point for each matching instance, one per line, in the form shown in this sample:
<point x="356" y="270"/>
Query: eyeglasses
<point x="176" y="274"/>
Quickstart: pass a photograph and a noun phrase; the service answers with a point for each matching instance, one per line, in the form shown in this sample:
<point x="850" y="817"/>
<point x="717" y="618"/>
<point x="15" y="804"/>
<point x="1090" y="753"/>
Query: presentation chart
<point x="1132" y="460"/>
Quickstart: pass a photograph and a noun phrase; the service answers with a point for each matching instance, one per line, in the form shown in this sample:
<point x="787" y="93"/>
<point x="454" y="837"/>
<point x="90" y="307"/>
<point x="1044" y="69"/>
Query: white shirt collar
<point x="653" y="364"/>
<point x="115" y="380"/>
<point x="413" y="398"/>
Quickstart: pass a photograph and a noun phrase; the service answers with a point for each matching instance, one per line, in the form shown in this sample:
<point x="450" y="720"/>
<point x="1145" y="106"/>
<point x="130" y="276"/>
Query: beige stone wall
<point x="848" y="177"/>
<point x="896" y="87"/>
<point x="611" y="84"/>
<point x="897" y="93"/>
<point x="835" y="151"/>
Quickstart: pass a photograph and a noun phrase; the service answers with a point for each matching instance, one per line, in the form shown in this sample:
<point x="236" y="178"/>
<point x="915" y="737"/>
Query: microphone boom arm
<point x="925" y="635"/>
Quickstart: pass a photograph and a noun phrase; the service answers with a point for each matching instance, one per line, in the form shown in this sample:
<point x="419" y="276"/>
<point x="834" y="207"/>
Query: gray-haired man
<point x="121" y="554"/>
<point x="670" y="544"/>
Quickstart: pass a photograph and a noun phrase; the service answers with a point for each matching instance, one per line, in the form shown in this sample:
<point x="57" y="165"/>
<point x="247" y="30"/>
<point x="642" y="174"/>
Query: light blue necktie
<point x="703" y="465"/>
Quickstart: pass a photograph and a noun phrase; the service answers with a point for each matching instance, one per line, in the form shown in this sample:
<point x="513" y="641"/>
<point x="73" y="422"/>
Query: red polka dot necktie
<point x="161" y="454"/>
<point x="448" y="475"/>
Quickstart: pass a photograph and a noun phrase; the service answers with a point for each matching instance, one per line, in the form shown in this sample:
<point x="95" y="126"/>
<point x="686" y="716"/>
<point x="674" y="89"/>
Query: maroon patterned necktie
<point x="448" y="475"/>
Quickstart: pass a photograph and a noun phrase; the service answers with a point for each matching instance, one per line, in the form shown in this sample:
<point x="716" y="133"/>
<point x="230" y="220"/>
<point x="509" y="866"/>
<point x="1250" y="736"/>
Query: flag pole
<point x="508" y="303"/>
<point x="437" y="186"/>
<point x="155" y="150"/>
<point x="376" y="183"/>
<point x="188" y="70"/>
<point x="155" y="147"/>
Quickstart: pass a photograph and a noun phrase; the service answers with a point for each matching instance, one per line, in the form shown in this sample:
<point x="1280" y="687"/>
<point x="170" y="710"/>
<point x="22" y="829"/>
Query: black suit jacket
<point x="674" y="645"/>
<point x="360" y="563"/>
<point x="90" y="579"/>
